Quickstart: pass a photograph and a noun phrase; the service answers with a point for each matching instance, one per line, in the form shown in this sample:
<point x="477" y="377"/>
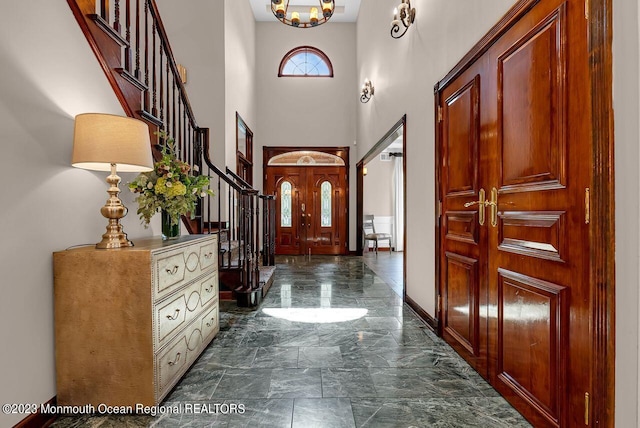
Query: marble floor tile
<point x="352" y="382"/>
<point x="384" y="323"/>
<point x="434" y="412"/>
<point x="298" y="338"/>
<point x="322" y="413"/>
<point x="377" y="366"/>
<point x="243" y="383"/>
<point x="230" y="358"/>
<point x="198" y="384"/>
<point x="295" y="383"/>
<point x="272" y="357"/>
<point x="320" y="356"/>
<point x="272" y="413"/>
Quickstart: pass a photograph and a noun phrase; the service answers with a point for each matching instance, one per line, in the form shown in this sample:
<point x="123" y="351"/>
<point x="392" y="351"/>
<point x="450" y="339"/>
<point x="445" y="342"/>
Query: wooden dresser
<point x="130" y="322"/>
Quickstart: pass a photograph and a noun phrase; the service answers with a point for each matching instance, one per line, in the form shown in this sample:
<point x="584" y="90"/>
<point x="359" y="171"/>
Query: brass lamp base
<point x="113" y="210"/>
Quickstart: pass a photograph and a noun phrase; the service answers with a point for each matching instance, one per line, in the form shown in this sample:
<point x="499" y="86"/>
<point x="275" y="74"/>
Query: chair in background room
<point x="369" y="232"/>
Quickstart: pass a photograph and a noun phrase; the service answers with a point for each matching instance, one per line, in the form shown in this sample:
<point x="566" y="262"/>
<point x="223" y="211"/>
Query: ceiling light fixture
<point x="406" y="18"/>
<point x="281" y="7"/>
<point x="367" y="91"/>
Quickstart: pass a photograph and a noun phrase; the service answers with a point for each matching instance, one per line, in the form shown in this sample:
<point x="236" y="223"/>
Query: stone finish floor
<point x="332" y="345"/>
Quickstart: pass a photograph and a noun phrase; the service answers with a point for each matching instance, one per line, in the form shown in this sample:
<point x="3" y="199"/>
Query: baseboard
<point x="38" y="419"/>
<point x="373" y="250"/>
<point x="431" y="321"/>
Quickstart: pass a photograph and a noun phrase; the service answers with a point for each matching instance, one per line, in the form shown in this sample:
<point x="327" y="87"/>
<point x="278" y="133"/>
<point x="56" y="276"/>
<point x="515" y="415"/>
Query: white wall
<point x="378" y="188"/>
<point x="307" y="111"/>
<point x="403" y="73"/>
<point x="196" y="34"/>
<point x="626" y="96"/>
<point x="240" y="74"/>
<point x="47" y="205"/>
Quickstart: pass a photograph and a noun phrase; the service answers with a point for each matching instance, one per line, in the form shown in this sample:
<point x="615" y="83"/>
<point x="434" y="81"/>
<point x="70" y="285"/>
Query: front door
<point x="514" y="254"/>
<point x="310" y="209"/>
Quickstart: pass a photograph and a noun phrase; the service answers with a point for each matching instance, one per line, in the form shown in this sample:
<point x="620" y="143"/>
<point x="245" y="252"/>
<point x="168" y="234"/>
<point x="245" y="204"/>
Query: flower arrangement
<point x="171" y="187"/>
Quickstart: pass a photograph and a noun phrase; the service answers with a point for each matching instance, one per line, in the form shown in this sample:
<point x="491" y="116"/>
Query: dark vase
<point x="169" y="231"/>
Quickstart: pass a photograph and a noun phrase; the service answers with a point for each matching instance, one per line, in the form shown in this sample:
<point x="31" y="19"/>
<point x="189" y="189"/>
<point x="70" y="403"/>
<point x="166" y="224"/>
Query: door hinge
<point x="439" y="305"/>
<point x="439" y="208"/>
<point x="439" y="114"/>
<point x="587" y="205"/>
<point x="586" y="9"/>
<point x="586" y="408"/>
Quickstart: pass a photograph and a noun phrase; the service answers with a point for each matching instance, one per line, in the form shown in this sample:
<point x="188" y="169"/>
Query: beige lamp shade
<point x="100" y="140"/>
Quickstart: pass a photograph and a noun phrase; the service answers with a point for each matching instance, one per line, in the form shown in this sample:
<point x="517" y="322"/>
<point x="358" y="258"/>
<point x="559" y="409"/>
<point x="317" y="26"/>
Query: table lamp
<point x="105" y="142"/>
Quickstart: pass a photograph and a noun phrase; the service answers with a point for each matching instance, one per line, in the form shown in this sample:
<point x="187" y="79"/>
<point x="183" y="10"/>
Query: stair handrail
<point x="239" y="179"/>
<point x="131" y="44"/>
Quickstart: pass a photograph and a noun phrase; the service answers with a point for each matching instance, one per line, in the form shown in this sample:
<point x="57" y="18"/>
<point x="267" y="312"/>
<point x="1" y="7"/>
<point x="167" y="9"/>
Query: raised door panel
<point x="532" y="108"/>
<point x="461" y="302"/>
<point x="533" y="318"/>
<point x="540" y="234"/>
<point x="461" y="140"/>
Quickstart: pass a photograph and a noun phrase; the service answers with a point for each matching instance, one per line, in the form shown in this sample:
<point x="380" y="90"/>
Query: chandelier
<point x="280" y="9"/>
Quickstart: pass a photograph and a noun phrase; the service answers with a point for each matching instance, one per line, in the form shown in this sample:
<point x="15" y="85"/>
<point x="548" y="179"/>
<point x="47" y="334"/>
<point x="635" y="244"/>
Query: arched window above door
<point x="305" y="61"/>
<point x="306" y="158"/>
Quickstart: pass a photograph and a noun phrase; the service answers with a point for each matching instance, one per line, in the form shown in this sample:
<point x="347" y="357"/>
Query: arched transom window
<point x="305" y="61"/>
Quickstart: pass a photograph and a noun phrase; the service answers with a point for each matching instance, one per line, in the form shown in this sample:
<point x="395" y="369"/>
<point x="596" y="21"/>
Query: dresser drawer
<point x="180" y="309"/>
<point x="209" y="255"/>
<point x="170" y="365"/>
<point x="174" y="268"/>
<point x="209" y="289"/>
<point x="179" y="354"/>
<point x="210" y="324"/>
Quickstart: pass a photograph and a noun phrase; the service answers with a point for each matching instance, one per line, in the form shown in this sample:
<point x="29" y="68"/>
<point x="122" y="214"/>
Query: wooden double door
<point x="515" y="161"/>
<point x="311" y="209"/>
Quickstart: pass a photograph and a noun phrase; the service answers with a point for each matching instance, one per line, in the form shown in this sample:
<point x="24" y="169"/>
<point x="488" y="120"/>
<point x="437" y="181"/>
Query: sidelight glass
<point x="285" y="204"/>
<point x="325" y="204"/>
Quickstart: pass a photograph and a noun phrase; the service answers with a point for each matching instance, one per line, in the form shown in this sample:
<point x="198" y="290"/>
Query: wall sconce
<point x="364" y="170"/>
<point x="406" y="18"/>
<point x="367" y="91"/>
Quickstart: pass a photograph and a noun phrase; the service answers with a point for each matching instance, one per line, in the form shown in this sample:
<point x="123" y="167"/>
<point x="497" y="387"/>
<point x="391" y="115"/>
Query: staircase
<point x="131" y="45"/>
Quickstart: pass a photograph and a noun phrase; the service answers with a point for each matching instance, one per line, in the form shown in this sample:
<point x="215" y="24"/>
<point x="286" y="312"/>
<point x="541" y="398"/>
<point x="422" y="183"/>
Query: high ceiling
<point x="346" y="10"/>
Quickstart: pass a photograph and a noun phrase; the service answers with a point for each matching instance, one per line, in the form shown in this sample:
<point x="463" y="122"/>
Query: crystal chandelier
<point x="280" y="9"/>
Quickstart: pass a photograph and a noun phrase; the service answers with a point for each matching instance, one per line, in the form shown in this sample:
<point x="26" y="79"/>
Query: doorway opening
<point x="381" y="207"/>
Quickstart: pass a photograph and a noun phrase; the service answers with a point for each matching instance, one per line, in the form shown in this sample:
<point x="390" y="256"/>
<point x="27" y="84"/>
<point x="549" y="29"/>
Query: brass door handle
<point x="481" y="203"/>
<point x="493" y="207"/>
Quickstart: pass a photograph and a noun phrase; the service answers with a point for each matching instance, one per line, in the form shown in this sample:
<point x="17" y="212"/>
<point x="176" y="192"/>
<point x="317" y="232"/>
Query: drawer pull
<point x="208" y="255"/>
<point x="174" y="362"/>
<point x="175" y="315"/>
<point x="210" y="289"/>
<point x="174" y="270"/>
<point x="211" y="322"/>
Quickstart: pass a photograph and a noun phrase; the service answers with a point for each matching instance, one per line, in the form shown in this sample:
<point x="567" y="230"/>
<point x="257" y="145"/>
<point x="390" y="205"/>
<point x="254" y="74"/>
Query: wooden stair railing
<point x="132" y="47"/>
<point x="268" y="205"/>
